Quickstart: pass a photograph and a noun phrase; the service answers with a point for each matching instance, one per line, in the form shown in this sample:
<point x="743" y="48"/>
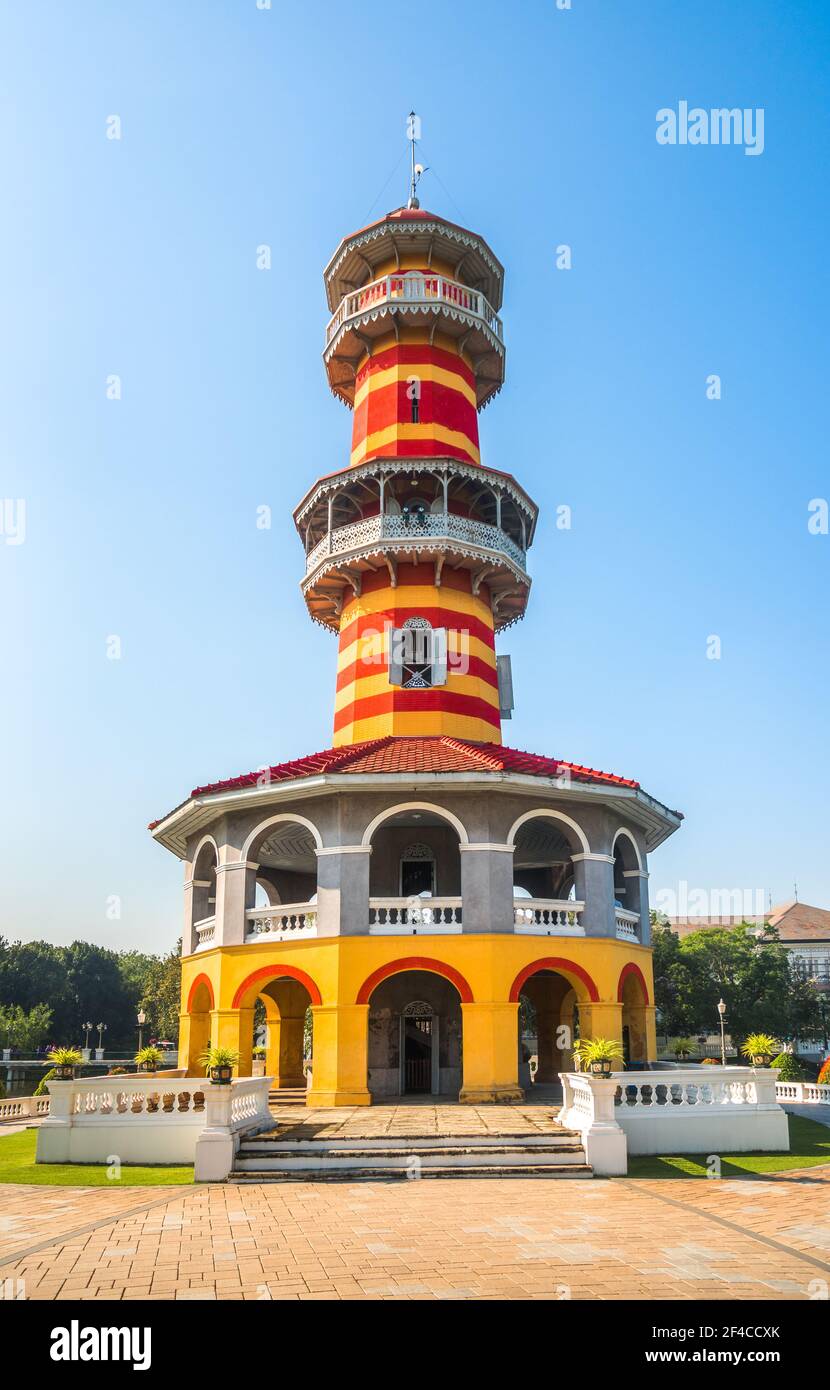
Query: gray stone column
<point x="192" y="899"/>
<point x="343" y="890"/>
<point x="235" y="892"/>
<point x="594" y="876"/>
<point x="637" y="900"/>
<point x="487" y="887"/>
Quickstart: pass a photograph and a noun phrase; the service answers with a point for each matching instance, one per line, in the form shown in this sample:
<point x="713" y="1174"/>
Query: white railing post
<point x="213" y="1159"/>
<point x="54" y="1134"/>
<point x="588" y="1106"/>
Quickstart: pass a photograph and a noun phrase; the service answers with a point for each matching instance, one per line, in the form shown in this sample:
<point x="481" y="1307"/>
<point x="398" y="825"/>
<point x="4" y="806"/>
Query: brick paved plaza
<point x="503" y="1239"/>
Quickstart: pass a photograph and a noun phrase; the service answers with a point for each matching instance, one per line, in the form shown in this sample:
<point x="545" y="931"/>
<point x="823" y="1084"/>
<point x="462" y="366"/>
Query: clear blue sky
<point x="137" y="257"/>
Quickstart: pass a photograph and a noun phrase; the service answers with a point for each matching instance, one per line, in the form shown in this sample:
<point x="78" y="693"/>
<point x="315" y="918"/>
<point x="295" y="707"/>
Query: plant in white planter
<point x="598" y="1055"/>
<point x="64" y="1061"/>
<point x="219" y="1063"/>
<point x="760" y="1048"/>
<point x="149" y="1058"/>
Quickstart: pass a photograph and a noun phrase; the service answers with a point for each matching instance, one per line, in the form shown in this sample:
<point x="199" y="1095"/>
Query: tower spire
<point x="413" y="135"/>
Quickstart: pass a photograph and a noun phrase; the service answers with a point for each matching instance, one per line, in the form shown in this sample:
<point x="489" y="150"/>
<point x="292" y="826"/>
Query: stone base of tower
<point x="431" y="1017"/>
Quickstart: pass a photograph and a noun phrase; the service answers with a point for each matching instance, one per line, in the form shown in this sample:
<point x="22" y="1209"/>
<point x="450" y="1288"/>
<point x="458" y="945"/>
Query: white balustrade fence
<point x="716" y="1110"/>
<point x="414" y="916"/>
<point x="371" y="529"/>
<point x="23" y="1107"/>
<point x="419" y="292"/>
<point x="205" y="932"/>
<point x="628" y="924"/>
<point x="801" y="1093"/>
<point x="288" y="921"/>
<point x="548" y="917"/>
<point x="151" y="1119"/>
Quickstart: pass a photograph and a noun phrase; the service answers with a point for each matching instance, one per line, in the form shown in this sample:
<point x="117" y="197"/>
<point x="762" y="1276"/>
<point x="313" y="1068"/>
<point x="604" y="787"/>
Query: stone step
<point x="292" y="1159"/>
<point x="284" y="1141"/>
<point x="374" y="1174"/>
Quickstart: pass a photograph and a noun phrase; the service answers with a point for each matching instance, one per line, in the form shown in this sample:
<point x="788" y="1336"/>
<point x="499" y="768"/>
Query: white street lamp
<point x="721" y="1012"/>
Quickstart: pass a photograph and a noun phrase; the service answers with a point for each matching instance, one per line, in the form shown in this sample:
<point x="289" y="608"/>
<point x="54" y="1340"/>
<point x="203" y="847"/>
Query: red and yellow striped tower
<point x="415" y="553"/>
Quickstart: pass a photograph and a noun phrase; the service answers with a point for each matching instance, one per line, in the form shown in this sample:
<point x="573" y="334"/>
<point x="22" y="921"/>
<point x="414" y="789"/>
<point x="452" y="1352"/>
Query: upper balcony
<point x="440" y="511"/>
<point x="415" y="876"/>
<point x="415" y="300"/>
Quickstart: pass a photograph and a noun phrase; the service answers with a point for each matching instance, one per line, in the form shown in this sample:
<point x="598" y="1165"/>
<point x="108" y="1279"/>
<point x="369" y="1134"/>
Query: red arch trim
<point x="277" y="972"/>
<point x="200" y="980"/>
<point x="414" y="963"/>
<point x="554" y="963"/>
<point x="632" y="969"/>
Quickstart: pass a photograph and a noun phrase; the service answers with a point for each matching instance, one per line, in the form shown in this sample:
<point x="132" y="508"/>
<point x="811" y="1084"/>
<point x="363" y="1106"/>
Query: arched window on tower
<point x="417" y="655"/>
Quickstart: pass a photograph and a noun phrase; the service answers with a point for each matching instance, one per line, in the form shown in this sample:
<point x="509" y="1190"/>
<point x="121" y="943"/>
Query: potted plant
<point x="760" y="1048"/>
<point x="148" y="1058"/>
<point x="259" y="1060"/>
<point x="577" y="1050"/>
<point x="597" y="1055"/>
<point x="682" y="1047"/>
<point x="219" y="1063"/>
<point x="64" y="1061"/>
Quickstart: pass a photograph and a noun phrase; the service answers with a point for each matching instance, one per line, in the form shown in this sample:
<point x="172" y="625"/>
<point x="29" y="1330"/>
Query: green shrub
<point x="40" y="1089"/>
<point x="789" y="1067"/>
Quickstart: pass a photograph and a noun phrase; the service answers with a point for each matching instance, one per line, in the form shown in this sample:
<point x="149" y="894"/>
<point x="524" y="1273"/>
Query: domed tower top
<point x="416" y="551"/>
<point x="418" y="293"/>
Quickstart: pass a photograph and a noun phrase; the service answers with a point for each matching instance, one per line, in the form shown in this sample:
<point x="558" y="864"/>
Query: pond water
<point x="22" y="1078"/>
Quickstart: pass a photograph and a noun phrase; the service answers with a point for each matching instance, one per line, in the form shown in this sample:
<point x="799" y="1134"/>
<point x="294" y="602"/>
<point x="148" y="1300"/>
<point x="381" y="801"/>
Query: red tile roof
<point x="418" y="754"/>
<point x="794" y="922"/>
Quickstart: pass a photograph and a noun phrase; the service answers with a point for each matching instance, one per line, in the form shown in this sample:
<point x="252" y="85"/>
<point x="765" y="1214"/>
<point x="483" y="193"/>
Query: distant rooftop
<point x="795" y="922"/>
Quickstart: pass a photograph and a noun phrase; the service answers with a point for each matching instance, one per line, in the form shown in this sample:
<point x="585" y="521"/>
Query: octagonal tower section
<point x="415" y="552"/>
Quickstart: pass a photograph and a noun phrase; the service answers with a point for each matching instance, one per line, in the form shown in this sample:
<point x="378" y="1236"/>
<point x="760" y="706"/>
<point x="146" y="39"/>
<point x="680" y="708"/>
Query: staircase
<point x="267" y="1158"/>
<point x="295" y="1095"/>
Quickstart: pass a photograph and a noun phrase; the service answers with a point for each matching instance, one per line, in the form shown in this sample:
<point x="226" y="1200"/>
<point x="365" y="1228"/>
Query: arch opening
<point x="548" y="1030"/>
<point x="284" y="1033"/>
<point x="415" y="855"/>
<point x="284" y="850"/>
<point x="415" y="1045"/>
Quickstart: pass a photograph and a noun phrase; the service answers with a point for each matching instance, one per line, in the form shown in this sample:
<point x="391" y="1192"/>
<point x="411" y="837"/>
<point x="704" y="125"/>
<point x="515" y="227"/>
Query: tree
<point x="160" y="998"/>
<point x="753" y="974"/>
<point x="24" y="1030"/>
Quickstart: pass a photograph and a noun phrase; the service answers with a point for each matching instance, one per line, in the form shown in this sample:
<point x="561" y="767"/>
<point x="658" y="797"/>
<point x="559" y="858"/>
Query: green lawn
<point x="810" y="1146"/>
<point x="17" y="1164"/>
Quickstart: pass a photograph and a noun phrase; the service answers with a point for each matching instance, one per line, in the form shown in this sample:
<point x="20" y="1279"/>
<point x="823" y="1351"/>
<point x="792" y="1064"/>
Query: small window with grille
<point x="417" y="655"/>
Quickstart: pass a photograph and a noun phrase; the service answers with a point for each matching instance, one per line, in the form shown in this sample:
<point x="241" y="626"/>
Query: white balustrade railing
<point x="711" y="1110"/>
<point x="628" y="924"/>
<point x="402" y="291"/>
<point x="801" y="1093"/>
<point x="286" y="922"/>
<point x="368" y="531"/>
<point x="699" y="1088"/>
<point x="146" y="1118"/>
<point x="414" y="916"/>
<point x="705" y="1110"/>
<point x="547" y="917"/>
<point x="23" y="1107"/>
<point x="205" y="931"/>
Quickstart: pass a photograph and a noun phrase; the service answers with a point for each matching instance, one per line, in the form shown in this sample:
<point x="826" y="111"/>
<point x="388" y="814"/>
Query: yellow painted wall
<point x="339" y="966"/>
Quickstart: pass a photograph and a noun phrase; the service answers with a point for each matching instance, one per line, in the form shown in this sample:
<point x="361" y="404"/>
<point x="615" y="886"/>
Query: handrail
<point x="415" y="288"/>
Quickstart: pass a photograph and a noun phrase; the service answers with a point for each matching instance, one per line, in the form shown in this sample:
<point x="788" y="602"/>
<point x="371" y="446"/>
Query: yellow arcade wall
<point x="338" y="967"/>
